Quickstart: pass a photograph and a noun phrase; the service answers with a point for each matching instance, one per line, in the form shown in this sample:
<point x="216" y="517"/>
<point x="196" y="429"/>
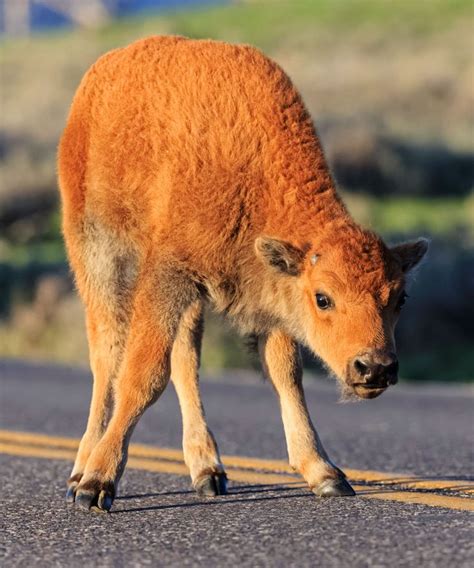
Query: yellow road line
<point x="35" y="452"/>
<point x="151" y="459"/>
<point x="430" y="499"/>
<point x="38" y="439"/>
<point x="240" y="462"/>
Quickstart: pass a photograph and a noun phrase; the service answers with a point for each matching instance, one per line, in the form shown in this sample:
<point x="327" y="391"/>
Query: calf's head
<point x="342" y="297"/>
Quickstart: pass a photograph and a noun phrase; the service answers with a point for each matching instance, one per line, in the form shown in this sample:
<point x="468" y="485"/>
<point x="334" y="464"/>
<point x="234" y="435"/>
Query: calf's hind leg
<point x="143" y="375"/>
<point x="105" y="345"/>
<point x="200" y="450"/>
<point x="281" y="362"/>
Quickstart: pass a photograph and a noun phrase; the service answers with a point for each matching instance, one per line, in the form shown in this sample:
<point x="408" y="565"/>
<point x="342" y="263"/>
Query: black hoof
<point x="340" y="472"/>
<point x="104" y="502"/>
<point x="334" y="488"/>
<point x="85" y="499"/>
<point x="71" y="493"/>
<point x="72" y="484"/>
<point x="95" y="496"/>
<point x="212" y="485"/>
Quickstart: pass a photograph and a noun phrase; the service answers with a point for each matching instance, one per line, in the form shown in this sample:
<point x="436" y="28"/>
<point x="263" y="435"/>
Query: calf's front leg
<point x="281" y="361"/>
<point x="200" y="449"/>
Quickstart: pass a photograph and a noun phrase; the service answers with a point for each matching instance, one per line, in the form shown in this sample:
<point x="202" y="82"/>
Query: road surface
<point x="409" y="454"/>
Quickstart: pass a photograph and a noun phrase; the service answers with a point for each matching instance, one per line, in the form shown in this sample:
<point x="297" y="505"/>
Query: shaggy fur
<point x="190" y="172"/>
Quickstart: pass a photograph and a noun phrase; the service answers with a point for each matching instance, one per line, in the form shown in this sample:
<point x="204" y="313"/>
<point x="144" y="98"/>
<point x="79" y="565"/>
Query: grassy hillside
<point x="389" y="84"/>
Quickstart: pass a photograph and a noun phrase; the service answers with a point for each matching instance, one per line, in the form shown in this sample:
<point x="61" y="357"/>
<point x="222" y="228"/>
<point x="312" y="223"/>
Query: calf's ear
<point x="280" y="255"/>
<point x="410" y="254"/>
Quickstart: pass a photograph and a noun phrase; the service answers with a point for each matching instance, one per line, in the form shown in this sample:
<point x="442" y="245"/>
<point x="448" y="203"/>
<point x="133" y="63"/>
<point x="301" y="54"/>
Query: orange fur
<point x="190" y="171"/>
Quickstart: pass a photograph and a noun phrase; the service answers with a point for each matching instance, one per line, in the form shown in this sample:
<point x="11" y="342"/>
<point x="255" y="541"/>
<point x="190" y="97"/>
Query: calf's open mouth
<point x="364" y="390"/>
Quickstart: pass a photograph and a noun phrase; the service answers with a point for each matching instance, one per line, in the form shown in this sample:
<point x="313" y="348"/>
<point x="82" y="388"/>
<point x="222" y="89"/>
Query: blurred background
<point x="389" y="84"/>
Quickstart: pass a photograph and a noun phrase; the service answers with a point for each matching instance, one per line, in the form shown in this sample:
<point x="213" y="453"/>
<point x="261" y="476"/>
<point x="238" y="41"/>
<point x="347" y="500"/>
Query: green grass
<point x="41" y="252"/>
<point x="435" y="217"/>
<point x="264" y="23"/>
<point x="267" y="22"/>
<point x="439" y="217"/>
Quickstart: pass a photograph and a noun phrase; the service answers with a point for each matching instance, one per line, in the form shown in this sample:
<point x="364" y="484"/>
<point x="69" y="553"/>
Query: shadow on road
<point x="147" y="495"/>
<point x="244" y="493"/>
<point x="241" y="490"/>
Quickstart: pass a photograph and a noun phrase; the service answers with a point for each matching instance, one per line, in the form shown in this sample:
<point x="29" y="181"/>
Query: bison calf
<point x="190" y="173"/>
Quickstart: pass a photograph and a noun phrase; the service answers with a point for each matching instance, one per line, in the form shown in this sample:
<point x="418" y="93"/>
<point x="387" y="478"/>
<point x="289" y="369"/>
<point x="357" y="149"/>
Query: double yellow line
<point x="447" y="493"/>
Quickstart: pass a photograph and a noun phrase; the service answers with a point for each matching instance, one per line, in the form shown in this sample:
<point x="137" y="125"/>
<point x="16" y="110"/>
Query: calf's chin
<point x="353" y="393"/>
<point x="368" y="393"/>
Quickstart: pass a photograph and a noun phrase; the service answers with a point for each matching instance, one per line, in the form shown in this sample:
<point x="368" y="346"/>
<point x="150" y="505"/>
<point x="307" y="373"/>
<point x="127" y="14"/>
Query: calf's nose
<point x="383" y="368"/>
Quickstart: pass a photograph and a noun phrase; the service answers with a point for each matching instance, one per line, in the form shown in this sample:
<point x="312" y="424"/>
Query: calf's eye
<point x="323" y="302"/>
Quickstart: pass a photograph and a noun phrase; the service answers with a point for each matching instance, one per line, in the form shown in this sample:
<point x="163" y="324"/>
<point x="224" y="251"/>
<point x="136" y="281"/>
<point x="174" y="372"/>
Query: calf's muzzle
<point x="372" y="372"/>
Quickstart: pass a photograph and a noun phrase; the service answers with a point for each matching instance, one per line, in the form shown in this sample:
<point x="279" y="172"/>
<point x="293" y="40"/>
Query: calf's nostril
<point x="361" y="367"/>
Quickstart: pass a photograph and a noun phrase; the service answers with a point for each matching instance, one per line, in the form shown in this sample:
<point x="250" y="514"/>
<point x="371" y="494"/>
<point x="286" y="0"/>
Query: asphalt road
<point x="157" y="520"/>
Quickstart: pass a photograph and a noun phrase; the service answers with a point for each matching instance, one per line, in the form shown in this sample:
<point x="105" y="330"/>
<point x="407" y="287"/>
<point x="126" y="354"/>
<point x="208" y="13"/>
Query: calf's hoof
<point x="211" y="485"/>
<point x="72" y="484"/>
<point x="338" y="487"/>
<point x="95" y="495"/>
